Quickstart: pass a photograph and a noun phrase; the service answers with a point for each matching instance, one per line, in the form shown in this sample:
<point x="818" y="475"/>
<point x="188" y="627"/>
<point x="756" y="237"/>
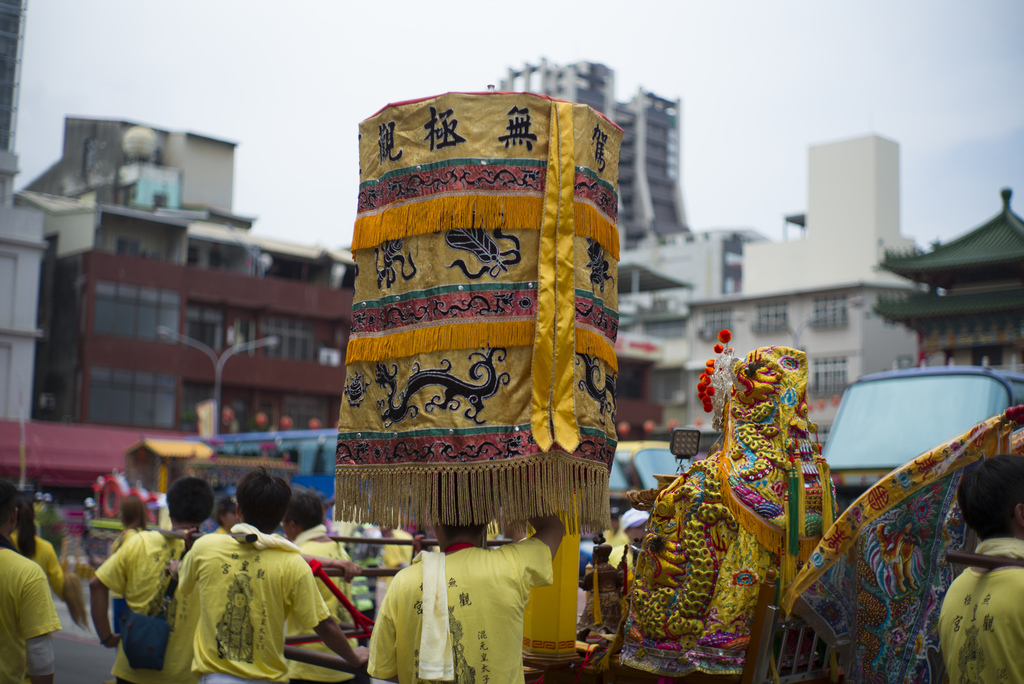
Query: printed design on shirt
<point x="464" y="674"/>
<point x="234" y="629"/>
<point x="971" y="659"/>
<point x="161" y="558"/>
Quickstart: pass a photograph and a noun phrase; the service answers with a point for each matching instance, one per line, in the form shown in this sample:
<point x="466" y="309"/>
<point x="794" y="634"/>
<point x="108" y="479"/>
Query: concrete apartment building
<point x="650" y="193"/>
<point x="21" y="237"/>
<point x="141" y="233"/>
<point x="817" y="293"/>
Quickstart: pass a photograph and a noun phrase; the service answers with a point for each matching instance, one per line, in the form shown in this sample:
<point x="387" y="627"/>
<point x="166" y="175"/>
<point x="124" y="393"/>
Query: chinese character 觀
<point x="386" y="143"/>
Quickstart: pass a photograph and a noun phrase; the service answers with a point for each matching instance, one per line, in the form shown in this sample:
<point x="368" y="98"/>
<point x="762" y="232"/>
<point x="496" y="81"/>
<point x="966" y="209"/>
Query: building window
<point x="192" y="394"/>
<point x="668" y="386"/>
<point x="296" y="338"/>
<point x="630" y="383"/>
<point x="303" y="409"/>
<point x="771" y="318"/>
<point x="714" y="321"/>
<point x="128" y="246"/>
<point x="829" y="313"/>
<point x="132" y="311"/>
<point x="131" y="397"/>
<point x="666" y="329"/>
<point x="829" y="375"/>
<point x="205" y="324"/>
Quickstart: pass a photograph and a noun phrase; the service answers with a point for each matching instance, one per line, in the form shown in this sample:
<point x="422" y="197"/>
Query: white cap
<point x="633" y="518"/>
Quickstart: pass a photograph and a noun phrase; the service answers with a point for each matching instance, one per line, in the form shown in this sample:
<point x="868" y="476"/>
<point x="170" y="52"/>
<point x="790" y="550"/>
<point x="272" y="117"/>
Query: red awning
<point x="67" y="454"/>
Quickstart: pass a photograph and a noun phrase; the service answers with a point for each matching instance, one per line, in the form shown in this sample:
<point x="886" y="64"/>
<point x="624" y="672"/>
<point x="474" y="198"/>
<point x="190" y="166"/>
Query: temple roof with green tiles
<point x="991" y="252"/>
<point x="1005" y="303"/>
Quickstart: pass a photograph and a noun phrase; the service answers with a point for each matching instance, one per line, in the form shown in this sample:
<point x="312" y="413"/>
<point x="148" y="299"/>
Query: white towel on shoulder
<point x="265" y="541"/>
<point x="436" y="660"/>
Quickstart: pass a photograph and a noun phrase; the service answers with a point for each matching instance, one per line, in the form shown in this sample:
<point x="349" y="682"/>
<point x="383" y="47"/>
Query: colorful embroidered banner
<point x="875" y="584"/>
<point x="481" y="365"/>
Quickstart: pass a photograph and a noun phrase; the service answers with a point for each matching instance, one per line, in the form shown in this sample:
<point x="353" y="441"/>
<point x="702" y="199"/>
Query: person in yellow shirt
<point x="38" y="549"/>
<point x="138" y="572"/>
<point x="981" y="623"/>
<point x="633" y="525"/>
<point x="303" y="524"/>
<point x="485" y="592"/>
<point x="247" y="591"/>
<point x="27" y="615"/>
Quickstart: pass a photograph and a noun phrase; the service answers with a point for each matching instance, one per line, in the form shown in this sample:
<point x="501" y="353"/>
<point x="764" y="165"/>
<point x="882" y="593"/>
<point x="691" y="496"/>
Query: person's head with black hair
<point x="226" y="516"/>
<point x="8" y="513"/>
<point x="991" y="497"/>
<point x="262" y="499"/>
<point x="305" y="508"/>
<point x="26" y="529"/>
<point x="189" y="501"/>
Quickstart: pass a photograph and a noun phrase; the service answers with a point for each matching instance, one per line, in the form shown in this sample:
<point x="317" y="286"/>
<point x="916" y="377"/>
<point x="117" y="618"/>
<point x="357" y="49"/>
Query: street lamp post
<point x="165" y="333"/>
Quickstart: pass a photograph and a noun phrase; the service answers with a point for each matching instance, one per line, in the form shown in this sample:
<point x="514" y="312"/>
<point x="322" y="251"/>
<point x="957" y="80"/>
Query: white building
<point x="21" y="252"/>
<point x="853" y="216"/>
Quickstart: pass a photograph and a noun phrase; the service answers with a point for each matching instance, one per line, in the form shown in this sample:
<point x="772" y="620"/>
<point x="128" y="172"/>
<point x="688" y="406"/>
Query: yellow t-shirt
<point x="137" y="572"/>
<point x="487" y="594"/>
<point x="245" y="595"/>
<point x="26" y="611"/>
<point x="47" y="559"/>
<point x="396" y="555"/>
<point x="297" y="670"/>
<point x="981" y="627"/>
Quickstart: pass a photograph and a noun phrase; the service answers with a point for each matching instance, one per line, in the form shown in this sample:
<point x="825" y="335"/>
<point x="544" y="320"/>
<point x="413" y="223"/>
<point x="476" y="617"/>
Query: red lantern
<point x="315" y="424"/>
<point x="649" y="425"/>
<point x="698" y="422"/>
<point x="673" y="424"/>
<point x="624" y="427"/>
<point x="287" y="423"/>
<point x="227" y="415"/>
<point x="261" y="420"/>
<point x="835" y="400"/>
<point x="821" y="404"/>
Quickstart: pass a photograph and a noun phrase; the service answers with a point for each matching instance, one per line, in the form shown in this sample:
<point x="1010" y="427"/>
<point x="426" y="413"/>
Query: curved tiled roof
<point x="997" y="242"/>
<point x="916" y="307"/>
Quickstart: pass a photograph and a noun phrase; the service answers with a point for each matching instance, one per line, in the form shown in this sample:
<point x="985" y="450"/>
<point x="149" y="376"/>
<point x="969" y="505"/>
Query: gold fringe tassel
<point x="506" y="491"/>
<point x="445" y="212"/>
<point x="828" y="512"/>
<point x="769" y="536"/>
<point x="469" y="335"/>
<point x="589" y="342"/>
<point x="591" y="223"/>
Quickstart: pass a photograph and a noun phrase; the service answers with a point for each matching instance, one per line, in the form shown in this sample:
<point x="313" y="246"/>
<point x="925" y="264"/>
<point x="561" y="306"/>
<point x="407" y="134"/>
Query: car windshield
<point x="886" y="423"/>
<point x="617" y="479"/>
<point x="649" y="462"/>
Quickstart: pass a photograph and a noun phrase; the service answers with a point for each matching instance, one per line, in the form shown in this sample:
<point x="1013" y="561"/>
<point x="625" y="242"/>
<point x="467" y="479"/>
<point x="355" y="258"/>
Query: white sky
<point x="760" y="81"/>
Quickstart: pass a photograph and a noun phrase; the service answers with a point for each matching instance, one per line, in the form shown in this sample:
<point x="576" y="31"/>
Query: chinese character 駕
<point x="386" y="143"/>
<point x="599" y="139"/>
<point x="444" y="135"/>
<point x="518" y="128"/>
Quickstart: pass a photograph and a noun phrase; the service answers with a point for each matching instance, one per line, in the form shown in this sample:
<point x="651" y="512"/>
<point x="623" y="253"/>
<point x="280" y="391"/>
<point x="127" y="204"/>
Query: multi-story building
<point x="650" y="192"/>
<point x="21" y="251"/>
<point x="970" y="309"/>
<point x="143" y="251"/>
<point x="817" y="293"/>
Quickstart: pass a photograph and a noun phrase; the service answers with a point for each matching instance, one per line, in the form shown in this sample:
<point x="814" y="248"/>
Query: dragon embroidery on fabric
<point x="597" y="264"/>
<point x="604" y="394"/>
<point x="391" y="251"/>
<point x="454" y="388"/>
<point x="477" y="242"/>
<point x="355" y="389"/>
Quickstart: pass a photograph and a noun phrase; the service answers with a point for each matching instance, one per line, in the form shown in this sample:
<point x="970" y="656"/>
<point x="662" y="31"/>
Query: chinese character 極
<point x="443" y="135"/>
<point x="386" y="143"/>
<point x="518" y="128"/>
<point x="599" y="139"/>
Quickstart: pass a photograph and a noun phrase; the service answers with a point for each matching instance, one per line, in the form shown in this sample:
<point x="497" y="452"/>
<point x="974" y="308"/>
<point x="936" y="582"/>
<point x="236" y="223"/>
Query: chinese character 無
<point x="518" y="128"/>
